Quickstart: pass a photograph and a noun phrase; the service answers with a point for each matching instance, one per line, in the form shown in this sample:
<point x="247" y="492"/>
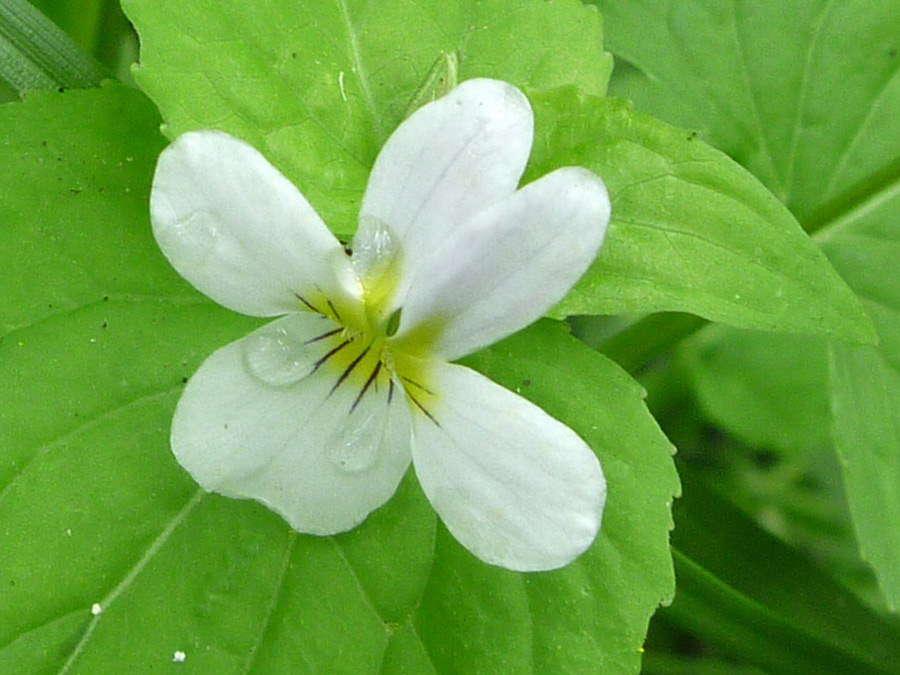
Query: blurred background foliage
<point x="100" y="28"/>
<point x="766" y="516"/>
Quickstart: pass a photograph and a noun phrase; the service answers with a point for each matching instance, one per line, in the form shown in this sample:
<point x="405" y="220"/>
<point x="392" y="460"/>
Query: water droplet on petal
<point x="354" y="447"/>
<point x="285" y="351"/>
<point x="374" y="248"/>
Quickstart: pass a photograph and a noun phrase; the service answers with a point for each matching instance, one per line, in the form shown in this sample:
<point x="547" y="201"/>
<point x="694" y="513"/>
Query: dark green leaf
<point x="691" y="230"/>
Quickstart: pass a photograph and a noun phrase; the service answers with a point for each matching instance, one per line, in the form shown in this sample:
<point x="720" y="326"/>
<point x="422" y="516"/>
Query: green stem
<point x="36" y="54"/>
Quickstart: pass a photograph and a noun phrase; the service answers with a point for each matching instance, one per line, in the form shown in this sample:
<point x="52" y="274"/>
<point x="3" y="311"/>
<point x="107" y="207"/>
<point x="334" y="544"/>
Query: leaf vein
<point x="360" y="71"/>
<point x="86" y="426"/>
<point x="858" y="135"/>
<point x="132" y="574"/>
<point x="754" y="105"/>
<point x="801" y="98"/>
<point x="273" y="603"/>
<point x="128" y="298"/>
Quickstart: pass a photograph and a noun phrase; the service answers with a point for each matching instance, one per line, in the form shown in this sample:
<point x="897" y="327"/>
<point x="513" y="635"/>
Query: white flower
<point x="318" y="414"/>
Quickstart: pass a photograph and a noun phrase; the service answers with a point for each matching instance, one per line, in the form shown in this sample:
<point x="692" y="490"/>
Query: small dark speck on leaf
<point x="526" y="383"/>
<point x="75" y="191"/>
<point x="293" y="55"/>
<point x="184" y="380"/>
<point x="105" y="325"/>
<point x="44" y="143"/>
<point x="105" y="298"/>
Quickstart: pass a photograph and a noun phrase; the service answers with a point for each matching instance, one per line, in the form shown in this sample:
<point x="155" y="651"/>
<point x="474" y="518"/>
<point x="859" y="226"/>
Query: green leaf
<point x="98" y="335"/>
<point x="865" y="392"/>
<point x="36" y="54"/>
<point x="318" y="85"/>
<point x="800" y="92"/>
<point x="805" y="95"/>
<point x="691" y="231"/>
<point x="742" y="383"/>
<point x="606" y="598"/>
<point x="752" y="596"/>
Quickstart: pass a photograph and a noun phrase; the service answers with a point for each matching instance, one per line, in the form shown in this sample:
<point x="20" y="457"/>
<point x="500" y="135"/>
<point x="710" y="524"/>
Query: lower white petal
<point x="323" y="451"/>
<point x="515" y="486"/>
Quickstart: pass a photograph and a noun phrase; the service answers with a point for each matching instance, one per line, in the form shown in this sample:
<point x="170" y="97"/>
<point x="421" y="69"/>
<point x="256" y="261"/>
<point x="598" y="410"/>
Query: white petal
<point x="504" y="268"/>
<point x="323" y="451"/>
<point x="450" y="159"/>
<point x="513" y="485"/>
<point x="240" y="232"/>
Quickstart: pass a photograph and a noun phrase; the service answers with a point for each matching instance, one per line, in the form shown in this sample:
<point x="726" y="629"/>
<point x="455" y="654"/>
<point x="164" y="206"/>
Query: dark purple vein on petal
<point x="423" y="409"/>
<point x="349" y="369"/>
<point x="318" y="364"/>
<point x="366" y="386"/>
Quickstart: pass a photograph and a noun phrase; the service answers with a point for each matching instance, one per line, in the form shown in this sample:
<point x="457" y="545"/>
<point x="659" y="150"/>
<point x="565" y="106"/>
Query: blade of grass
<point x="36" y="54"/>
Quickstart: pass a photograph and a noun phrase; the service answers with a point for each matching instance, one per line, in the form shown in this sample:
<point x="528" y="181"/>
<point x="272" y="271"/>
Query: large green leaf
<point x="98" y="335"/>
<point x="691" y="230"/>
<point x="805" y="94"/>
<point x="319" y="85"/>
<point x="576" y="604"/>
<point x="800" y="92"/>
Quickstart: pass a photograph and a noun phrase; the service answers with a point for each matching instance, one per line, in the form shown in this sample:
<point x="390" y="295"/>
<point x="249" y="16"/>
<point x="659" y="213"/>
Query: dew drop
<point x="374" y="248"/>
<point x="274" y="359"/>
<point x="354" y="447"/>
<point x="282" y="353"/>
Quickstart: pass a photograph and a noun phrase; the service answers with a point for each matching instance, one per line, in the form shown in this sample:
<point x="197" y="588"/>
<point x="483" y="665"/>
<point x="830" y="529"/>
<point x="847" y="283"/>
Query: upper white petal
<point x="505" y="267"/>
<point x="322" y="457"/>
<point x="241" y="232"/>
<point x="450" y="159"/>
<point x="515" y="486"/>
